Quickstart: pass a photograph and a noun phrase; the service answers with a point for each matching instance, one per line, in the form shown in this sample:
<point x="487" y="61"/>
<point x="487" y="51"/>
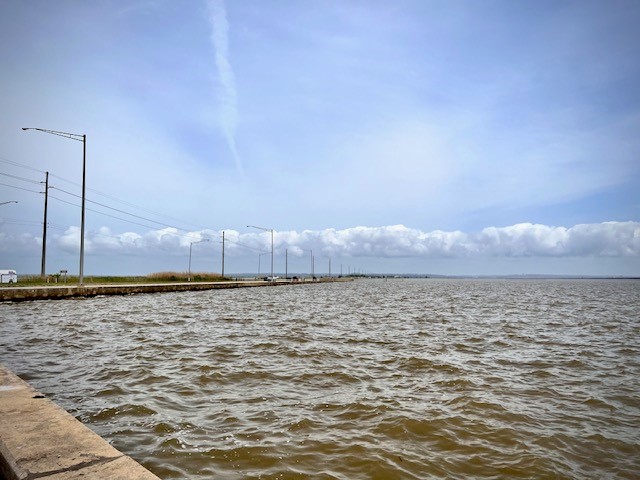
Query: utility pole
<point x="80" y="138"/>
<point x="84" y="196"/>
<point x="286" y="263"/>
<point x="44" y="226"/>
<point x="329" y="267"/>
<point x="223" y="254"/>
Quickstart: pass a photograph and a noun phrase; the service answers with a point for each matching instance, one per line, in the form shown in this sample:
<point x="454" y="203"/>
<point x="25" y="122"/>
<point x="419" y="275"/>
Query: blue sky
<point x="459" y="137"/>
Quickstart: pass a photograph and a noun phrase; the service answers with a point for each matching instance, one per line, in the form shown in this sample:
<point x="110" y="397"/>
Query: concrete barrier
<point x="19" y="294"/>
<point x="38" y="439"/>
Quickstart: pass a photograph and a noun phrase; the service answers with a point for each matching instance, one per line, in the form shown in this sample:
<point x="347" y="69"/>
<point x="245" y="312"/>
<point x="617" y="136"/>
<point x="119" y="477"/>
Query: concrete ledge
<point x="20" y="294"/>
<point x="38" y="439"/>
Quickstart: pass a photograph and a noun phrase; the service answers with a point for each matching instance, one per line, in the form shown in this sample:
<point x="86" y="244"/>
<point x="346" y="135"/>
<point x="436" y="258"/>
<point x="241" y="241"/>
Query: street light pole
<point x="79" y="138"/>
<point x="267" y="230"/>
<point x="223" y="254"/>
<point x="190" y="247"/>
<point x="311" y="256"/>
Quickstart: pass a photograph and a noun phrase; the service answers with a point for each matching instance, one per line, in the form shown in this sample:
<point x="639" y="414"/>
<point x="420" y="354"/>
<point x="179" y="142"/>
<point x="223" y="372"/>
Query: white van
<point x="8" y="276"/>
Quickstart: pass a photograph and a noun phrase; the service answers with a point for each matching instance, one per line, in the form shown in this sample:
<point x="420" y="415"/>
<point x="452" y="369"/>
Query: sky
<point x="451" y="137"/>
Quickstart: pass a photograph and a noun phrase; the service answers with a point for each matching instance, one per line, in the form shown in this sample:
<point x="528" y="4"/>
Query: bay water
<point x="371" y="379"/>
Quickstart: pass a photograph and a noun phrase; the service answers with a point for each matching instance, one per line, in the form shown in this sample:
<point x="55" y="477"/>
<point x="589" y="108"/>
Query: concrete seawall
<point x="38" y="439"/>
<point x="18" y="294"/>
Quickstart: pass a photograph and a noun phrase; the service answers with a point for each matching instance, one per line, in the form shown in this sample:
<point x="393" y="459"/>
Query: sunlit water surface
<point x="370" y="379"/>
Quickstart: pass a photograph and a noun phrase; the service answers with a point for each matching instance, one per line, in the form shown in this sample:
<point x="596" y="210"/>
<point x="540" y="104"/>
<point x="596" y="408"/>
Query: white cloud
<point x="228" y="93"/>
<point x="608" y="239"/>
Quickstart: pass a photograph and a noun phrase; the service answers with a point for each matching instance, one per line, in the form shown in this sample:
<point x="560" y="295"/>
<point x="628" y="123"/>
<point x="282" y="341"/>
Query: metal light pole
<point x="311" y="256"/>
<point x="223" y="254"/>
<point x="79" y="138"/>
<point x="267" y="230"/>
<point x="190" y="247"/>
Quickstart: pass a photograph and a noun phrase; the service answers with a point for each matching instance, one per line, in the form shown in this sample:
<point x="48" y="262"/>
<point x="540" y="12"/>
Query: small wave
<point x="542" y="374"/>
<point x="330" y="379"/>
<point x="576" y="364"/>
<point x="415" y="363"/>
<point x="209" y="378"/>
<point x="352" y="411"/>
<point x="127" y="410"/>
<point x="599" y="404"/>
<point x="401" y="427"/>
<point x="163" y="428"/>
<point x="457" y="384"/>
<point x="465" y="348"/>
<point x="113" y="391"/>
<point x="303" y="425"/>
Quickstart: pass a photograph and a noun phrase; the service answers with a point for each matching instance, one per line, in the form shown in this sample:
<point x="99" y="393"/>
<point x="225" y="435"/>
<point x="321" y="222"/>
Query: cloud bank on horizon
<point x="450" y="130"/>
<point x="608" y="239"/>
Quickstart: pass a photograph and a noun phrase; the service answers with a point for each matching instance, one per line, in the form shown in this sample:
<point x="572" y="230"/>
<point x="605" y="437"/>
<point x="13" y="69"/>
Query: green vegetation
<point x="184" y="276"/>
<point x="159" y="277"/>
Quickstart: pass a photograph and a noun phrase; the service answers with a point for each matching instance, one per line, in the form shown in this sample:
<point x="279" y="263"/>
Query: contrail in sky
<point x="228" y="95"/>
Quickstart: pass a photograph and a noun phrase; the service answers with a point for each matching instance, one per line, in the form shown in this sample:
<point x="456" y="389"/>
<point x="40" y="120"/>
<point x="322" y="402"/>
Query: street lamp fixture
<point x="79" y="138"/>
<point x="190" y="247"/>
<point x="267" y="230"/>
<point x="10" y="201"/>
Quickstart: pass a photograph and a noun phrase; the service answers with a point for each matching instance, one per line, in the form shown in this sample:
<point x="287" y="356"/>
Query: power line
<point x="118" y="210"/>
<point x="102" y="213"/>
<point x="19" y="188"/>
<point x="16" y="164"/>
<point x="31" y="223"/>
<point x="246" y="246"/>
<point x="102" y="205"/>
<point x="20" y="221"/>
<point x="20" y="178"/>
<point x="11" y="162"/>
<point x="124" y="202"/>
<point x="121" y="219"/>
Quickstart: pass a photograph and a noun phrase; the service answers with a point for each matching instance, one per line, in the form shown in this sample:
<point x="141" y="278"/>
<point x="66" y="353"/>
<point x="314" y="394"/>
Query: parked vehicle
<point x="8" y="276"/>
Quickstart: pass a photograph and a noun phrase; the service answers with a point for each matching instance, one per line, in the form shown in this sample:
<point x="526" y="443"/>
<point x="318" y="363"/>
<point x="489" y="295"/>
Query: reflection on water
<point x="372" y="379"/>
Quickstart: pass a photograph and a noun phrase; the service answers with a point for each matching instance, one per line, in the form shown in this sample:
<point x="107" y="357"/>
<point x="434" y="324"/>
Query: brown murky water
<point x="373" y="379"/>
